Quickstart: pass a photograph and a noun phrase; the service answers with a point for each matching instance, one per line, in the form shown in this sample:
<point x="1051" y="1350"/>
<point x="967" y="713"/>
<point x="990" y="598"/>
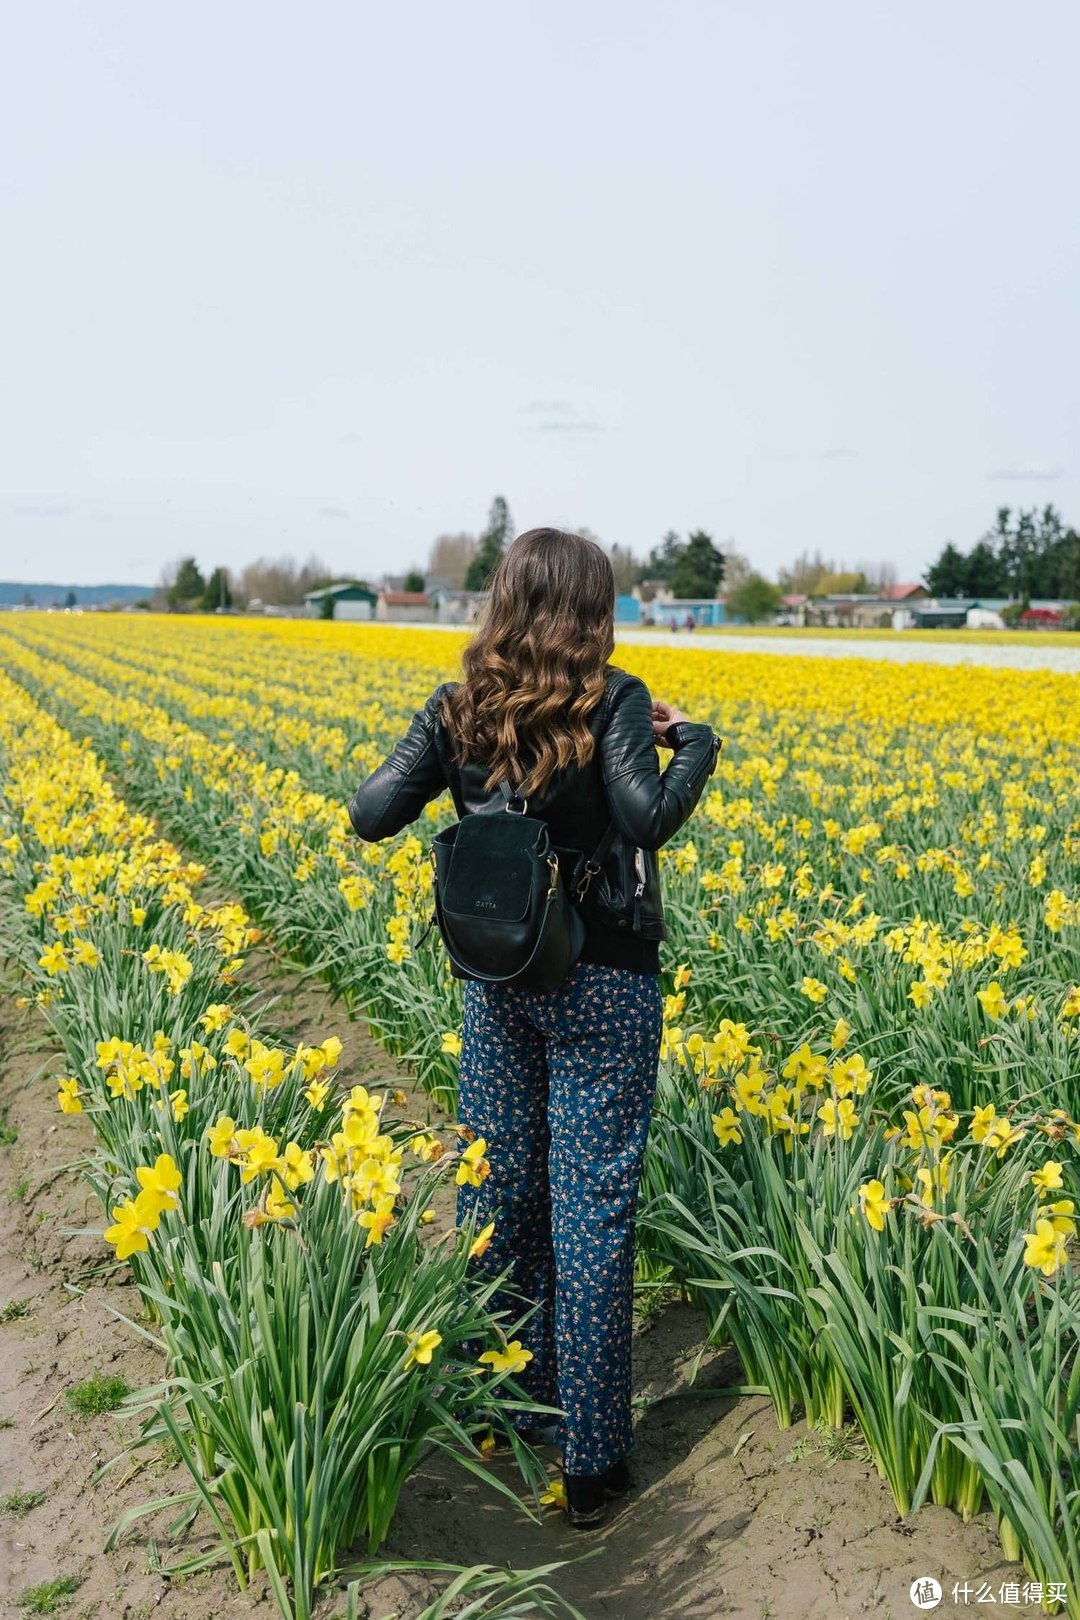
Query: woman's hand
<point x="664" y="715"/>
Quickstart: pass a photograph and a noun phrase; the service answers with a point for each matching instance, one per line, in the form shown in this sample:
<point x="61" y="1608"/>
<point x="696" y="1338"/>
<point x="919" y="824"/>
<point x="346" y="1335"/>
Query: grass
<point x="14" y="1309"/>
<point x="9" y="1134"/>
<point x="49" y="1596"/>
<point x="18" y="1190"/>
<point x="7" y="1422"/>
<point x="21" y="1501"/>
<point x="831" y="1445"/>
<point x="97" y="1395"/>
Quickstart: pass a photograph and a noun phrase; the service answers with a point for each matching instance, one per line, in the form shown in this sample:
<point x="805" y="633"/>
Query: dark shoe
<point x="587" y="1495"/>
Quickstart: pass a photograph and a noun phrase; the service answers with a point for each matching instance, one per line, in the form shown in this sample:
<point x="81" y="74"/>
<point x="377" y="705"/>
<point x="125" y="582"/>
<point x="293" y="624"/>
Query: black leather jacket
<point x="622" y="781"/>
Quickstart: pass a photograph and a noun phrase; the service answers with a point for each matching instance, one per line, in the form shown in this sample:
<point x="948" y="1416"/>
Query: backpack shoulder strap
<point x="599" y="854"/>
<point x="595" y="860"/>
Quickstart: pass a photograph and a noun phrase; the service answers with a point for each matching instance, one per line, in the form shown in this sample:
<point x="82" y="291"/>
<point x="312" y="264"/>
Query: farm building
<point x="704" y="610"/>
<point x="891" y="608"/>
<point x="405" y="607"/>
<point x="350" y="599"/>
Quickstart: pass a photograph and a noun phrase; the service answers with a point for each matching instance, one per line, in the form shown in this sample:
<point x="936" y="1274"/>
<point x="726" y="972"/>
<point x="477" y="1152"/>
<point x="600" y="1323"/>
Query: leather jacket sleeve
<point x="648" y="806"/>
<point x="408" y="778"/>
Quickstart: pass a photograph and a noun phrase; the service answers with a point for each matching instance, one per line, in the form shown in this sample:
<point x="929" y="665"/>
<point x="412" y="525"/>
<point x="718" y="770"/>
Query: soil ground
<point x="729" y="1516"/>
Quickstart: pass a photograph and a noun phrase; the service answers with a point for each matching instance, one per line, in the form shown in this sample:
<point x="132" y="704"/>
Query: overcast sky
<point x="327" y="277"/>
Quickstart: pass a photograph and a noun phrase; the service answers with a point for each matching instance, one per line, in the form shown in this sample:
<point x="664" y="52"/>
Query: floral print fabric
<point x="560" y="1084"/>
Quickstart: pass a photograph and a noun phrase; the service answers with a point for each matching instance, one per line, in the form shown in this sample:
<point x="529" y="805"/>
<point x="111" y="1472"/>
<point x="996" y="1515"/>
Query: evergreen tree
<point x="661" y="561"/>
<point x="217" y="593"/>
<point x="948" y="576"/>
<point x="983" y="574"/>
<point x="414" y="580"/>
<point x="187" y="588"/>
<point x="1068" y="585"/>
<point x="699" y="567"/>
<point x="491" y="546"/>
<point x="1029" y="554"/>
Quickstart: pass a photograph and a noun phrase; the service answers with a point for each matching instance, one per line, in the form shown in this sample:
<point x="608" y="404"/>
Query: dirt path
<point x="729" y="1517"/>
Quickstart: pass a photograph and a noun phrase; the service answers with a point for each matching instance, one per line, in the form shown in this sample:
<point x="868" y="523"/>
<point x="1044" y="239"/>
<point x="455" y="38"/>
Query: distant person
<point x="560" y="1082"/>
<point x="674" y="622"/>
<point x="689" y="621"/>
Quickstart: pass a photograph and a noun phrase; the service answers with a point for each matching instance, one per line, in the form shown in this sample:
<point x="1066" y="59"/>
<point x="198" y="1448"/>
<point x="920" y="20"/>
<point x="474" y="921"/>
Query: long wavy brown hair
<point x="534" y="669"/>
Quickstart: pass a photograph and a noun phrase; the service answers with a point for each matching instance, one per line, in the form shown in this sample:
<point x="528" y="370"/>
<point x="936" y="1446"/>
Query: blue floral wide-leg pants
<point x="560" y="1084"/>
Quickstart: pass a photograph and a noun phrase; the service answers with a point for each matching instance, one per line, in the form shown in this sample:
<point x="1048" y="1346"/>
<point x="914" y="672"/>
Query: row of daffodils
<point x="319" y="1332"/>
<point x="871" y="1069"/>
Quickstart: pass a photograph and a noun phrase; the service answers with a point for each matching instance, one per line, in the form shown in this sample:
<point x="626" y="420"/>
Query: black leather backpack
<point x="506" y="913"/>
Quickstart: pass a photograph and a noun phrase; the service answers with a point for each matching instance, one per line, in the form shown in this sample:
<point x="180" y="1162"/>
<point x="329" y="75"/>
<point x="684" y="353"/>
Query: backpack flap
<point x="491" y="867"/>
<point x="494" y="875"/>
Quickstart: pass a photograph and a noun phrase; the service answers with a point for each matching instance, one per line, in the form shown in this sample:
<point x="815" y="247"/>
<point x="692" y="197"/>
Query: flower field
<point x="865" y="1158"/>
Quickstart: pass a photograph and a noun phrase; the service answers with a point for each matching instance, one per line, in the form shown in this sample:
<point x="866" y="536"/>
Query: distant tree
<point x="450" y="556"/>
<point x="187" y="588"/>
<point x="490" y="549"/>
<point x="1069" y="576"/>
<point x="737" y="571"/>
<point x="661" y="561"/>
<point x="326" y="605"/>
<point x="218" y="593"/>
<point x="948" y="576"/>
<point x="755" y="599"/>
<point x="805" y="574"/>
<point x="844" y="582"/>
<point x="699" y="567"/>
<point x="414" y="580"/>
<point x="878" y="576"/>
<point x="281" y="582"/>
<point x="70" y="599"/>
<point x="625" y="567"/>
<point x="1026" y="554"/>
<point x="27" y="599"/>
<point x="983" y="574"/>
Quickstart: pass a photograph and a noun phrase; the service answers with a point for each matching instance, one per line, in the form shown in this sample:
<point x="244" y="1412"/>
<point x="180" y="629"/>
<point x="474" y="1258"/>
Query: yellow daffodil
<point x="993" y="1000"/>
<point x="160" y="1182"/>
<point x="473" y="1167"/>
<point x="514" y="1359"/>
<point x="482" y="1241"/>
<point x="838" y="1118"/>
<point x="222" y="1137"/>
<point x="1047" y="1178"/>
<point x="422" y="1346"/>
<point x="1044" y="1249"/>
<point x="133" y="1222"/>
<point x="53" y="960"/>
<point x="378" y="1220"/>
<point x="216" y="1016"/>
<point x="726" y="1127"/>
<point x="68" y="1097"/>
<point x="874" y="1203"/>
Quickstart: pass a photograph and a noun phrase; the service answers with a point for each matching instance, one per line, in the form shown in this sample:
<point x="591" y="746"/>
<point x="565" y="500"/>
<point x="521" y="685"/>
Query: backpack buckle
<point x="586" y="878"/>
<point x="553" y="868"/>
